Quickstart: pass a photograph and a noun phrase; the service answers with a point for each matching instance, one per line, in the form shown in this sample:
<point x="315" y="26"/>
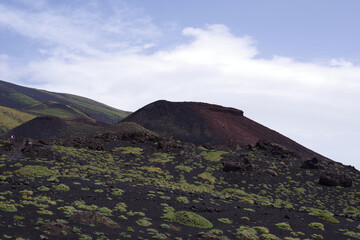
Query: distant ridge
<point x="41" y="103"/>
<point x="208" y="123"/>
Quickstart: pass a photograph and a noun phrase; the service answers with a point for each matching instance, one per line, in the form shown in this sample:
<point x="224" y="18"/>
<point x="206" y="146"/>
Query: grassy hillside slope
<point x="51" y="108"/>
<point x="22" y="98"/>
<point x="11" y="118"/>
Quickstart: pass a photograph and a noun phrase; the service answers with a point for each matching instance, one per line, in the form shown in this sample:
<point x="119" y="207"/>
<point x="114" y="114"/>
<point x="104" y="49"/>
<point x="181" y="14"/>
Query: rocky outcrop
<point x="244" y="166"/>
<point x="93" y="218"/>
<point x="335" y="179"/>
<point x="274" y="149"/>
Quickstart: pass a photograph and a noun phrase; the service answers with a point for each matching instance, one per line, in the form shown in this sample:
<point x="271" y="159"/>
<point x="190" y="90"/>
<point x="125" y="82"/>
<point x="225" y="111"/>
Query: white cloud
<point x="312" y="102"/>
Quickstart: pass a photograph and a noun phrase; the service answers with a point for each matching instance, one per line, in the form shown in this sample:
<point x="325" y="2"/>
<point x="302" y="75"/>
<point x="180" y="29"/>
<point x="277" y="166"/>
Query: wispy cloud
<point x="102" y="56"/>
<point x="89" y="29"/>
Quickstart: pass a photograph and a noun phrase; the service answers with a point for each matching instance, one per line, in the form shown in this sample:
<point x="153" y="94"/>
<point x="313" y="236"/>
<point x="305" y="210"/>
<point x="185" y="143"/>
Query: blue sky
<point x="293" y="66"/>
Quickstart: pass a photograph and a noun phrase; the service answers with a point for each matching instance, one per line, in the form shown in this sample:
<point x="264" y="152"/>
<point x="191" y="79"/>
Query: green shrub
<point x="62" y="188"/>
<point x="105" y="211"/>
<point x="143" y="222"/>
<point x="76" y="230"/>
<point x="129" y="150"/>
<point x="18" y="218"/>
<point x="317" y="225"/>
<point x="212" y="156"/>
<point x="182" y="200"/>
<point x="120" y="207"/>
<point x="317" y="236"/>
<point x="324" y="215"/>
<point x="268" y="236"/>
<point x="26" y="192"/>
<point x="207" y="176"/>
<point x="45" y="212"/>
<point x="248" y="233"/>
<point x="188" y="219"/>
<point x="118" y="192"/>
<point x="225" y="220"/>
<point x="352" y="234"/>
<point x="261" y="229"/>
<point x="165" y="226"/>
<point x="233" y="191"/>
<point x="43" y="189"/>
<point x="284" y="226"/>
<point x="351" y="210"/>
<point x="6" y="207"/>
<point x="184" y="168"/>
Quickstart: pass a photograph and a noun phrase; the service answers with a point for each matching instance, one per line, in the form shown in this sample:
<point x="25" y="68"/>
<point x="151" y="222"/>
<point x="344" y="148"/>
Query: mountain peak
<point x="202" y="123"/>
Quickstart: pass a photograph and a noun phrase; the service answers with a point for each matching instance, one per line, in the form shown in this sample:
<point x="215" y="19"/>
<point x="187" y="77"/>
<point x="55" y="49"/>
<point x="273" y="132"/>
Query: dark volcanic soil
<point x="54" y="127"/>
<point x="133" y="187"/>
<point x="230" y="178"/>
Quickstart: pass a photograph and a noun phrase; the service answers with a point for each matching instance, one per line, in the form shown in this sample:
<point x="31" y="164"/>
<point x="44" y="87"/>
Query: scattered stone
<point x="93" y="218"/>
<point x="274" y="149"/>
<point x="233" y="166"/>
<point x="205" y="209"/>
<point x="54" y="229"/>
<point x="271" y="172"/>
<point x="313" y="163"/>
<point x="8" y="147"/>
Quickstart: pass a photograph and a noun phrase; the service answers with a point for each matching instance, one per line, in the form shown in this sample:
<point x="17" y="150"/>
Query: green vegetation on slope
<point x="51" y="108"/>
<point x="21" y="98"/>
<point x="151" y="188"/>
<point x="11" y="118"/>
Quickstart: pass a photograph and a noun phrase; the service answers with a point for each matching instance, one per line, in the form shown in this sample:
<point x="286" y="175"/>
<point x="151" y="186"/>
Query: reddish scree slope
<point x="207" y="123"/>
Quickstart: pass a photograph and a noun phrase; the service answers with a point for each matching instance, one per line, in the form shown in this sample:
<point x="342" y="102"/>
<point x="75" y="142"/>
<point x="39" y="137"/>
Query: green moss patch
<point x="161" y="158"/>
<point x="212" y="156"/>
<point x="182" y="200"/>
<point x="34" y="171"/>
<point x="317" y="225"/>
<point x="6" y="207"/>
<point x="129" y="150"/>
<point x="184" y="168"/>
<point x="284" y="226"/>
<point x="188" y="219"/>
<point x="62" y="188"/>
<point x="324" y="215"/>
<point x="207" y="176"/>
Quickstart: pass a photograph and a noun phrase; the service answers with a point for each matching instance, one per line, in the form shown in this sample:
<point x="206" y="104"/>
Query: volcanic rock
<point x="335" y="179"/>
<point x="54" y="228"/>
<point x="313" y="163"/>
<point x="233" y="166"/>
<point x="93" y="218"/>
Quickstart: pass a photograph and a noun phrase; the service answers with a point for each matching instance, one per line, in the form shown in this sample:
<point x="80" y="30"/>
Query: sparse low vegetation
<point x="122" y="183"/>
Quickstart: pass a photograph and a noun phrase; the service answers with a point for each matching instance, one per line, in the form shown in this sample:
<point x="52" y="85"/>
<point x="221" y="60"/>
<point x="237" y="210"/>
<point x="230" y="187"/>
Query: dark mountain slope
<point x="207" y="123"/>
<point x="20" y="98"/>
<point x="54" y="127"/>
